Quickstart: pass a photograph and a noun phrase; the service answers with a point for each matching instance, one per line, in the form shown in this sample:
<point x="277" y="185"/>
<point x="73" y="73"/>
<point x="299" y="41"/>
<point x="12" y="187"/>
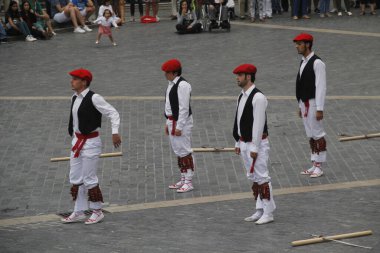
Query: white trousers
<point x="261" y="172"/>
<point x="181" y="145"/>
<point x="314" y="128"/>
<point x="267" y="6"/>
<point x="83" y="171"/>
<point x="253" y="4"/>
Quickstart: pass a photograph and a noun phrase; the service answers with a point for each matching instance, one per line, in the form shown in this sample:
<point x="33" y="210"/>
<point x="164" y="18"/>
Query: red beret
<point x="245" y="68"/>
<point x="82" y="74"/>
<point x="303" y="37"/>
<point x="171" y="65"/>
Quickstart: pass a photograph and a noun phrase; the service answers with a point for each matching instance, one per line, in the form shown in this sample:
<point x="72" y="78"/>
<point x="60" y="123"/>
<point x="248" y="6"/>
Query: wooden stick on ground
<point x="60" y="159"/>
<point x="360" y="137"/>
<point x="204" y="149"/>
<point x="330" y="238"/>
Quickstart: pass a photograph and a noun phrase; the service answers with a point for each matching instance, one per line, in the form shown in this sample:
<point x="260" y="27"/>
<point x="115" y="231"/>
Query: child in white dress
<point x="105" y="23"/>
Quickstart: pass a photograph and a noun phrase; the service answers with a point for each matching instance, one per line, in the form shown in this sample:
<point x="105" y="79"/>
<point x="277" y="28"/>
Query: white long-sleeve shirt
<point x="106" y="22"/>
<point x="184" y="91"/>
<point x="259" y="104"/>
<point x="101" y="105"/>
<point x="320" y="80"/>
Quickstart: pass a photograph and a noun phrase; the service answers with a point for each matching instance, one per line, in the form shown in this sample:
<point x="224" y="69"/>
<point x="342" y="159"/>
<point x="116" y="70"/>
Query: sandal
<point x="373" y="12"/>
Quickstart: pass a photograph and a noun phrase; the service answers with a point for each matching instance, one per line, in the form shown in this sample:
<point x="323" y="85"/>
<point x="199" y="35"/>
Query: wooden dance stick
<point x="330" y="238"/>
<point x="60" y="159"/>
<point x="360" y="137"/>
<point x="213" y="149"/>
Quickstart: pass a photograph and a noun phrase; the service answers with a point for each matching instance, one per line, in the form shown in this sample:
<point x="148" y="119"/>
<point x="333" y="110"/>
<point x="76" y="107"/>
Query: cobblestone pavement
<point x="32" y="130"/>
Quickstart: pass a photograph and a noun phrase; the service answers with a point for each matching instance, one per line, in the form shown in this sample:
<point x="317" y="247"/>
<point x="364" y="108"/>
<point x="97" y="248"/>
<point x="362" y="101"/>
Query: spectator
<point x="276" y="7"/>
<point x="231" y="8"/>
<point x="187" y="19"/>
<point x="214" y="12"/>
<point x="15" y="24"/>
<point x="43" y="19"/>
<point x="30" y="19"/>
<point x="371" y="5"/>
<point x="63" y="11"/>
<point x="174" y="9"/>
<point x="242" y="4"/>
<point x="253" y="5"/>
<point x="267" y="7"/>
<point x="325" y="8"/>
<point x="338" y="4"/>
<point x="85" y="7"/>
<point x="118" y="6"/>
<point x="154" y="4"/>
<point x="296" y="6"/>
<point x="3" y="33"/>
<point x="108" y="6"/>
<point x="141" y="10"/>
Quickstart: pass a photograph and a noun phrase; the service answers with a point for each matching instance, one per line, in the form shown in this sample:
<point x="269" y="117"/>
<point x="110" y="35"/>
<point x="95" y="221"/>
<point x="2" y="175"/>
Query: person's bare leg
<point x="98" y="38"/>
<point x="73" y="17"/>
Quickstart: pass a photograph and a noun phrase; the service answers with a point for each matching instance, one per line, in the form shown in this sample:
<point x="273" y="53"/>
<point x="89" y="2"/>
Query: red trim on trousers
<point x="174" y="124"/>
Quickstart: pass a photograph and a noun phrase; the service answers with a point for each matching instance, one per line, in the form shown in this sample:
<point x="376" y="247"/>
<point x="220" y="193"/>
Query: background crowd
<point x="36" y="19"/>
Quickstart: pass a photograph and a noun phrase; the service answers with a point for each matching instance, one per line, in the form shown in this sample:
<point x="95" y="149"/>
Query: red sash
<point x="82" y="138"/>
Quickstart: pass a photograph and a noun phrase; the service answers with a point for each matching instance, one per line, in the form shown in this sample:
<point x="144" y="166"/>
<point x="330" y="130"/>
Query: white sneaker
<point x="95" y="217"/>
<point x="79" y="30"/>
<point x="309" y="171"/>
<point x="74" y="217"/>
<point x="340" y="13"/>
<point x="186" y="188"/>
<point x="177" y="185"/>
<point x="114" y="44"/>
<point x="87" y="29"/>
<point x="27" y="38"/>
<point x="53" y="33"/>
<point x="316" y="173"/>
<point x="265" y="219"/>
<point x="97" y="42"/>
<point x="349" y="13"/>
<point x="157" y="19"/>
<point x="254" y="217"/>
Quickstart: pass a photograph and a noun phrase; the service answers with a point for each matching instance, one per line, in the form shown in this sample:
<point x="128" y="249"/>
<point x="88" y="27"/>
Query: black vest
<point x="305" y="84"/>
<point x="173" y="99"/>
<point x="88" y="116"/>
<point x="246" y="120"/>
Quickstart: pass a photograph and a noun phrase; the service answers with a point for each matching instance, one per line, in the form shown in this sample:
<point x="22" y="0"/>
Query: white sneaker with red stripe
<point x="95" y="217"/>
<point x="186" y="187"/>
<point x="177" y="185"/>
<point x="74" y="217"/>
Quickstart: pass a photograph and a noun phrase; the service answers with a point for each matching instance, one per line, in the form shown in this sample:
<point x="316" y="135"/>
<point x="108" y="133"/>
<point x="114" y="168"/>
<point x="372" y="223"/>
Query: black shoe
<point x="225" y="25"/>
<point x="316" y="10"/>
<point x="4" y="41"/>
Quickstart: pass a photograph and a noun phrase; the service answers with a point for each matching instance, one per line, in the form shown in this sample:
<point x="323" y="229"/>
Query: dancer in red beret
<point x="179" y="123"/>
<point x="86" y="112"/>
<point x="310" y="94"/>
<point x="251" y="136"/>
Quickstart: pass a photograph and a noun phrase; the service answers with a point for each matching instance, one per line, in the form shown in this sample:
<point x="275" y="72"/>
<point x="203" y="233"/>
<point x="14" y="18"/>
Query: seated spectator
<point x="187" y="19"/>
<point x="3" y="33"/>
<point x="30" y="19"/>
<point x="85" y="7"/>
<point x="15" y="24"/>
<point x="214" y="10"/>
<point x="63" y="11"/>
<point x="43" y="18"/>
<point x="107" y="6"/>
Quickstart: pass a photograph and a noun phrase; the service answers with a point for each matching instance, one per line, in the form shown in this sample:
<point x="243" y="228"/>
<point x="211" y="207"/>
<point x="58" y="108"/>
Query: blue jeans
<point x="296" y="5"/>
<point x="324" y="6"/>
<point x="3" y="33"/>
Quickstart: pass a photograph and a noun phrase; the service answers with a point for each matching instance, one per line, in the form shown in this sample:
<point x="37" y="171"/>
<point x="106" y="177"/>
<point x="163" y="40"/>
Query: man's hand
<point x="237" y="151"/>
<point x="253" y="155"/>
<point x="319" y="115"/>
<point x="299" y="113"/>
<point x="116" y="140"/>
<point x="178" y="132"/>
<point x="166" y="130"/>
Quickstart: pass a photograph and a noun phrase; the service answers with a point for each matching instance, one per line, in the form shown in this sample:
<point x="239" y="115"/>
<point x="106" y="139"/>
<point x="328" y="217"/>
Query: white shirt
<point x="102" y="8"/>
<point x="184" y="91"/>
<point x="259" y="103"/>
<point x="106" y="22"/>
<point x="320" y="80"/>
<point x="101" y="105"/>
